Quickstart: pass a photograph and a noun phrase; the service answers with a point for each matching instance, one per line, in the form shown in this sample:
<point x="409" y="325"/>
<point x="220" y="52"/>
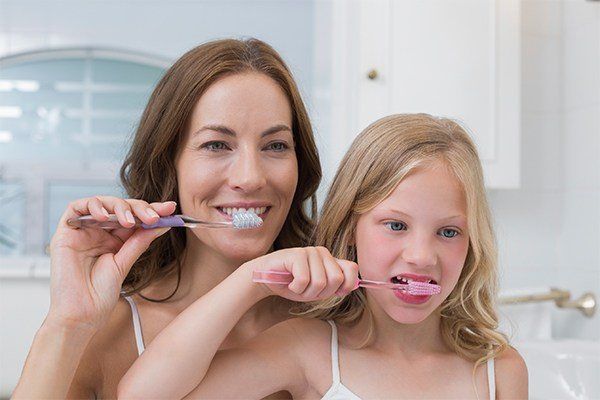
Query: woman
<point x="225" y="128"/>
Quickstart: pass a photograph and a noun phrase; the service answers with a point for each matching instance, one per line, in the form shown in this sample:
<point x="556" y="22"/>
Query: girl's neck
<point x="408" y="339"/>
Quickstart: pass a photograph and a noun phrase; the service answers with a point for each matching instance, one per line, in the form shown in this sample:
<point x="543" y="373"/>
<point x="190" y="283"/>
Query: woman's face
<point x="238" y="154"/>
<point x="418" y="233"/>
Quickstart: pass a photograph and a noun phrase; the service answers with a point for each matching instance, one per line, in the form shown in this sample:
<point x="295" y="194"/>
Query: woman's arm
<point x="178" y="359"/>
<point x="87" y="270"/>
<point x="52" y="361"/>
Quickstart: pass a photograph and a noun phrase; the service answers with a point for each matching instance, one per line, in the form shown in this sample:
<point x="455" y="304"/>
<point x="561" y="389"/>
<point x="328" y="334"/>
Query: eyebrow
<point x="230" y="132"/>
<point x="442" y="219"/>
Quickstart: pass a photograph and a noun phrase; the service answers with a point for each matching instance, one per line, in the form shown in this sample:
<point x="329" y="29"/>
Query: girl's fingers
<point x="350" y="271"/>
<point x="300" y="270"/>
<point x="335" y="276"/>
<point x="318" y="277"/>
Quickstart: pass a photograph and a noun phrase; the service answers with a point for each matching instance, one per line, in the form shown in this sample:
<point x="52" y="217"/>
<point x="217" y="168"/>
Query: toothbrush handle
<point x="285" y="278"/>
<point x="87" y="221"/>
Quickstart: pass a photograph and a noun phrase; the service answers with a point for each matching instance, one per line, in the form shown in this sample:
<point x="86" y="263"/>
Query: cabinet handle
<point x="373" y="74"/>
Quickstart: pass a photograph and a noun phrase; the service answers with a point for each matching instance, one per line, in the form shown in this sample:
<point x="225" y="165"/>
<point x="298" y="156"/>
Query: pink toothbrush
<point x="413" y="288"/>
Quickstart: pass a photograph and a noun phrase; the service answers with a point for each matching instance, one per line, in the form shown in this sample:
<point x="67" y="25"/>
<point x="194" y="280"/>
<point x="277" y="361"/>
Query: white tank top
<point x="137" y="326"/>
<point x="338" y="391"/>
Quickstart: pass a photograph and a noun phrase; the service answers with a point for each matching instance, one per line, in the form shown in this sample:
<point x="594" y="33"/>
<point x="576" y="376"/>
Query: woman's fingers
<point x="97" y="210"/>
<point x="165" y="208"/>
<point x="133" y="248"/>
<point x="99" y="207"/>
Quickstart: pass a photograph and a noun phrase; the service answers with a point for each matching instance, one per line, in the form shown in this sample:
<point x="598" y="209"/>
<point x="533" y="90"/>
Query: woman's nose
<point x="247" y="174"/>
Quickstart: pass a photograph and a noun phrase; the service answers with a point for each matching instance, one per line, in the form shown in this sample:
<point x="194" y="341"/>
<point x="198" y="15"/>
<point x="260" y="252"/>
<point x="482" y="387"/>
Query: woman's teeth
<point x="233" y="210"/>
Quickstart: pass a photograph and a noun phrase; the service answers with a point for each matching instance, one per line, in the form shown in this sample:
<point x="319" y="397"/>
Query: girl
<point x="408" y="203"/>
<point x="225" y="128"/>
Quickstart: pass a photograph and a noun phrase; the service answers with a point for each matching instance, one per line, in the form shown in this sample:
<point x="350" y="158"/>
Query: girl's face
<point x="418" y="233"/>
<point x="238" y="154"/>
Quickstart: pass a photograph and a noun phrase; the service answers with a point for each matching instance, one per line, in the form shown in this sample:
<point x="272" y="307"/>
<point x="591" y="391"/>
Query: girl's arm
<point x="178" y="359"/>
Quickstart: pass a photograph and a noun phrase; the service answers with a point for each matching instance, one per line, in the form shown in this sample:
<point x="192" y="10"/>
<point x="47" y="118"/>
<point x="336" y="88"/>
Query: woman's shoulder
<point x="303" y="336"/>
<point x="305" y="329"/>
<point x="511" y="374"/>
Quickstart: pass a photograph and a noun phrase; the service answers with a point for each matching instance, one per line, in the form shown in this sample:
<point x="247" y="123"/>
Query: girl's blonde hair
<point x="379" y="158"/>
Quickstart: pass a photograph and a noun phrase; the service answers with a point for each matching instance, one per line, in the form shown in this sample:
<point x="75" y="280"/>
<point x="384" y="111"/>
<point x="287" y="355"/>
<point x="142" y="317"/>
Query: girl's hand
<point x="88" y="266"/>
<point x="317" y="275"/>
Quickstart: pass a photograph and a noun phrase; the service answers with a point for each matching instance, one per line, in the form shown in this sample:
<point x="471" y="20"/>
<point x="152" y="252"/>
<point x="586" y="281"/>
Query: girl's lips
<point x="409" y="298"/>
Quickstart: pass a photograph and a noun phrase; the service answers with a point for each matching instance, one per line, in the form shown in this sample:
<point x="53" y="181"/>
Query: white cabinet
<point x="454" y="58"/>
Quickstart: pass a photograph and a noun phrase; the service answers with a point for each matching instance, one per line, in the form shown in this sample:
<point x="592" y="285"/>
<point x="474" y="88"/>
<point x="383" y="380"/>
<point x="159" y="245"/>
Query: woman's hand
<point x="317" y="275"/>
<point x="89" y="265"/>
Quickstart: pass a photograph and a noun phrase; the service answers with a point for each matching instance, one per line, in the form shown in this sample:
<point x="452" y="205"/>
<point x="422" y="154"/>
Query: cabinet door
<point x="454" y="58"/>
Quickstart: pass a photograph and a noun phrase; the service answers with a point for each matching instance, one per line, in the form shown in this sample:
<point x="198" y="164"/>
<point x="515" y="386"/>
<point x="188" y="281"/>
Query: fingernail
<point x="151" y="213"/>
<point x="105" y="212"/>
<point x="170" y="201"/>
<point x="129" y="217"/>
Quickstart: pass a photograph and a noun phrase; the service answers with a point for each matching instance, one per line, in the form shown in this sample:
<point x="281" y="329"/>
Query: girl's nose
<point x="419" y="251"/>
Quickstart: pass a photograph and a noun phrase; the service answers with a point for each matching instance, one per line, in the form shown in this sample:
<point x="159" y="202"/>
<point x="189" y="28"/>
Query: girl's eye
<point x="449" y="233"/>
<point x="396" y="225"/>
<point x="278" y="146"/>
<point x="215" y="146"/>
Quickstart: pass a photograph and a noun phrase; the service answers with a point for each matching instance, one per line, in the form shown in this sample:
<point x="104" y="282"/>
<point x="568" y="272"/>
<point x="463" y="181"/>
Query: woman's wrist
<point x="73" y="331"/>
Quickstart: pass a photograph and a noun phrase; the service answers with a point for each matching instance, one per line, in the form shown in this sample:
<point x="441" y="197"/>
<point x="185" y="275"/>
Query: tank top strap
<point x="137" y="326"/>
<point x="335" y="364"/>
<point x="491" y="373"/>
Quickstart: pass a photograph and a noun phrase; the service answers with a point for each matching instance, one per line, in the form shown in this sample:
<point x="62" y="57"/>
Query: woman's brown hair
<point x="148" y="171"/>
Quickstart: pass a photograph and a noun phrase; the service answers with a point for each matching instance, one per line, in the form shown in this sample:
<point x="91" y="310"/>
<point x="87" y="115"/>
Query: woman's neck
<point x="201" y="270"/>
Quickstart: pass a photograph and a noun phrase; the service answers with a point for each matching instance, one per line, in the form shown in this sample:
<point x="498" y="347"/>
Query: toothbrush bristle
<point x="423" y="289"/>
<point x="246" y="220"/>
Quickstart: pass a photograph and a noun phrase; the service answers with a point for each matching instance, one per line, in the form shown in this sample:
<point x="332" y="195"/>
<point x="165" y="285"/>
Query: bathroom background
<point x="524" y="75"/>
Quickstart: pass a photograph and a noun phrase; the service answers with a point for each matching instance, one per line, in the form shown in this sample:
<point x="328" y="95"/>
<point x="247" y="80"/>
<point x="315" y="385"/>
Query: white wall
<point x="158" y="27"/>
<point x="549" y="230"/>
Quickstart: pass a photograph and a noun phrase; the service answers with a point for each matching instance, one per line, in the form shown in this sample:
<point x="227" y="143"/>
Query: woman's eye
<point x="278" y="146"/>
<point x="215" y="146"/>
<point x="449" y="233"/>
<point x="396" y="225"/>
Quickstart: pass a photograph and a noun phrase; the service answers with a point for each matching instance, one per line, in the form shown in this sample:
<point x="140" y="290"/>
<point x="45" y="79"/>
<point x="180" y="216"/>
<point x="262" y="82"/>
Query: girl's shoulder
<point x="511" y="374"/>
